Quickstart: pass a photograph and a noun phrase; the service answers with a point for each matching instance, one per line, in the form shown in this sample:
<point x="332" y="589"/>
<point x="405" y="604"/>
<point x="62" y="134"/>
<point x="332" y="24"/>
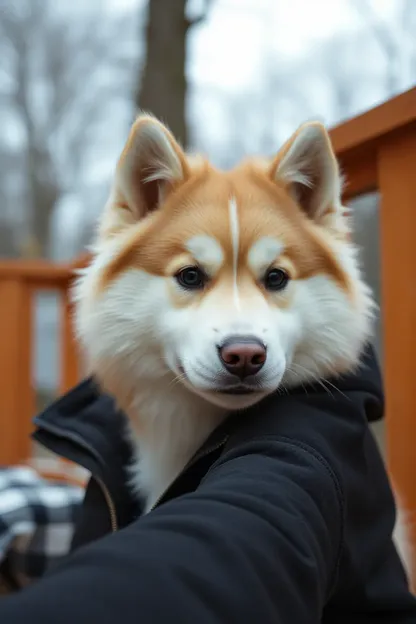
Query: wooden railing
<point x="19" y="281"/>
<point x="377" y="151"/>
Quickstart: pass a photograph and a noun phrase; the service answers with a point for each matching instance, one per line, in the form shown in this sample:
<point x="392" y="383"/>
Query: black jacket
<point x="283" y="517"/>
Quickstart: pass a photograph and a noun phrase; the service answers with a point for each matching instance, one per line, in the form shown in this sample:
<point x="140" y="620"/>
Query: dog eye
<point x="276" y="279"/>
<point x="191" y="278"/>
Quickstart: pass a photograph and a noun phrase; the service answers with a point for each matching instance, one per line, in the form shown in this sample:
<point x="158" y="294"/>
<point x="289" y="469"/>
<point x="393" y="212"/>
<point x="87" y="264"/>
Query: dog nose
<point x="242" y="355"/>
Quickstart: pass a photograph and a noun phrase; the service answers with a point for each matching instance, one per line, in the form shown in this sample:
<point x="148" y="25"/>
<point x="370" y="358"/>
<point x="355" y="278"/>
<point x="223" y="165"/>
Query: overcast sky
<point x="232" y="50"/>
<point x="227" y="49"/>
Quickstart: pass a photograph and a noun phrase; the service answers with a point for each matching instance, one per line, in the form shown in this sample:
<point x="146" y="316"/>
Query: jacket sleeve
<point x="294" y="519"/>
<point x="258" y="541"/>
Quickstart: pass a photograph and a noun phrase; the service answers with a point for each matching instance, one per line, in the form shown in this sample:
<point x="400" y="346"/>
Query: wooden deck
<point x="377" y="151"/>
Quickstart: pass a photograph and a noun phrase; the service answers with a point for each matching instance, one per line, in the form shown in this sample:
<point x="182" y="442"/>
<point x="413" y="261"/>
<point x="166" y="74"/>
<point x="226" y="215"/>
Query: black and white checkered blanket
<point x="36" y="524"/>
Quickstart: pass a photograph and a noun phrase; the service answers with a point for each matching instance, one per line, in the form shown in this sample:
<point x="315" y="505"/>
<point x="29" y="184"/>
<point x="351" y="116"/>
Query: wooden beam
<point x="367" y="129"/>
<point x="360" y="175"/>
<point x="38" y="273"/>
<point x="17" y="394"/>
<point x="396" y="172"/>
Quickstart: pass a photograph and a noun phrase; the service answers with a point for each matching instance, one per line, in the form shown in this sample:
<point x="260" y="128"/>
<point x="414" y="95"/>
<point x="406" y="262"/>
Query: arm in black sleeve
<point x="292" y="524"/>
<point x="258" y="541"/>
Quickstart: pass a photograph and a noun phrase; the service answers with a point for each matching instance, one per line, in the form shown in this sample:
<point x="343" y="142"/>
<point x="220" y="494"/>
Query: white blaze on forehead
<point x="235" y="242"/>
<point x="207" y="251"/>
<point x="263" y="253"/>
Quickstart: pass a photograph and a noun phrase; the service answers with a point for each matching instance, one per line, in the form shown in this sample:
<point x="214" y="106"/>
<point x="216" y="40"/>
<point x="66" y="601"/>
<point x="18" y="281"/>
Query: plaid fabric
<point x="36" y="524"/>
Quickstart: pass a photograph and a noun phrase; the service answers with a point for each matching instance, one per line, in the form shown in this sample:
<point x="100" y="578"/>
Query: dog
<point x="209" y="290"/>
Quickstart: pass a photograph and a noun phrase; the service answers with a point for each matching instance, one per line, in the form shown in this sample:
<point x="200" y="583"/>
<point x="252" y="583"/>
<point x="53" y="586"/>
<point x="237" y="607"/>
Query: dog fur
<point x="153" y="343"/>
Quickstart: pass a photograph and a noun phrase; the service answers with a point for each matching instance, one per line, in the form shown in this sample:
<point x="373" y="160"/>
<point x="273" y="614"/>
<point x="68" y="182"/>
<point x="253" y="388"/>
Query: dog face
<point x="229" y="284"/>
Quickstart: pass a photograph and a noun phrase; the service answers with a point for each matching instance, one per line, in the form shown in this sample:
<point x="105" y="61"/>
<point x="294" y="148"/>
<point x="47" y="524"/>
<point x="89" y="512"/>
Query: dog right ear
<point x="151" y="165"/>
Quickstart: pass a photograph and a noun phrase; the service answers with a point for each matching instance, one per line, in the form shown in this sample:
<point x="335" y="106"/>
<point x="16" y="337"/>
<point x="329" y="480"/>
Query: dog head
<point x="231" y="283"/>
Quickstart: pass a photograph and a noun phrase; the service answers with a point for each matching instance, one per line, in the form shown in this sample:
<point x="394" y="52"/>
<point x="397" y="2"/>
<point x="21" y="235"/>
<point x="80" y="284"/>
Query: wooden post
<point x="17" y="395"/>
<point x="397" y="183"/>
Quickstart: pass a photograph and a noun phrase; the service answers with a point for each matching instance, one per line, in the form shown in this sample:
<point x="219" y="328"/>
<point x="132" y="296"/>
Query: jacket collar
<point x="86" y="427"/>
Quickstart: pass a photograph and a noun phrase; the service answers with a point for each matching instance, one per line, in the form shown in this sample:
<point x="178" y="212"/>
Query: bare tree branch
<point x="58" y="72"/>
<point x="198" y="19"/>
<point x="386" y="40"/>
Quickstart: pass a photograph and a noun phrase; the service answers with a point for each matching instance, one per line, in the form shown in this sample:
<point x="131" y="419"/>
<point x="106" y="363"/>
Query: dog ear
<point x="308" y="168"/>
<point x="151" y="164"/>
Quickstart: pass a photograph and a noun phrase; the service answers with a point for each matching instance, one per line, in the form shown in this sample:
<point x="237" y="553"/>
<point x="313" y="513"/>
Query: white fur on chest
<point x="167" y="429"/>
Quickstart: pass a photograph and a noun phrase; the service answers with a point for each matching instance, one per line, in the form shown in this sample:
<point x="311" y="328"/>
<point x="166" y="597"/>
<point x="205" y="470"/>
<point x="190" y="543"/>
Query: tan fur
<point x="200" y="204"/>
<point x="161" y="201"/>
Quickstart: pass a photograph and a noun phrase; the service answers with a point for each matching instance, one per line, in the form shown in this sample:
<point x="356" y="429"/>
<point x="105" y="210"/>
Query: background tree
<point x="162" y="86"/>
<point x="396" y="41"/>
<point x="59" y="73"/>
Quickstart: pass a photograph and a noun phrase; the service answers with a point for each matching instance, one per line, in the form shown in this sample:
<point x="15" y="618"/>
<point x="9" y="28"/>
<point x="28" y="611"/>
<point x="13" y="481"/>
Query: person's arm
<point x="258" y="541"/>
<point x="295" y="517"/>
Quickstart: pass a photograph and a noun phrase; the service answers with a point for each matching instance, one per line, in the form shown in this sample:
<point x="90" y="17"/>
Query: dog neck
<point x="168" y="424"/>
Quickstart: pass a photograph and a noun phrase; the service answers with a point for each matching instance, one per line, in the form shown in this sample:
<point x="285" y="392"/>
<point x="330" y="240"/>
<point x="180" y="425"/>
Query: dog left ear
<point x="151" y="164"/>
<point x="307" y="167"/>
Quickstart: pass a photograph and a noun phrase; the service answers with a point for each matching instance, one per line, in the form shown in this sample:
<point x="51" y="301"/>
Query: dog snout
<point x="242" y="355"/>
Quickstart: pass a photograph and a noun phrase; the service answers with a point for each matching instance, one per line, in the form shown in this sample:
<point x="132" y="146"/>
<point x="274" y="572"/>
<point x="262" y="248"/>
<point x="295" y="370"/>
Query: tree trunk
<point x="43" y="194"/>
<point x="43" y="200"/>
<point x="163" y="86"/>
<point x="8" y="247"/>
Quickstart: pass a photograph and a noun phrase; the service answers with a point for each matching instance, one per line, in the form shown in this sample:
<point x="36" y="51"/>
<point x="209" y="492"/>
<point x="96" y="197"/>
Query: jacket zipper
<point x="104" y="489"/>
<point x="109" y="502"/>
<point x="106" y="492"/>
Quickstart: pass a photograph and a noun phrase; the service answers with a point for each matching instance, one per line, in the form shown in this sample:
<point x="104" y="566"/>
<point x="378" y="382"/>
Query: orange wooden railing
<point x="377" y="151"/>
<point x="19" y="280"/>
